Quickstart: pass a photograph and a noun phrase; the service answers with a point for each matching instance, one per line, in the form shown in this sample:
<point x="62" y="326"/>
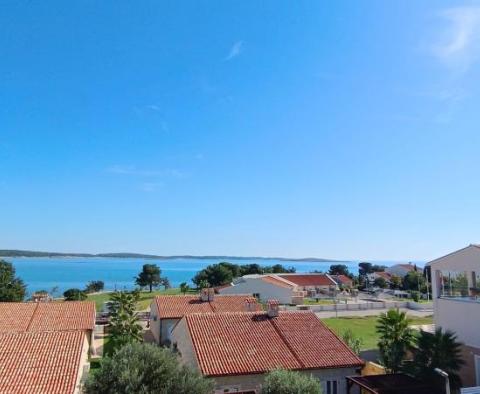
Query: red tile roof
<point x="249" y="343"/>
<point x="16" y="316"/>
<point x="384" y="275"/>
<point x="62" y="316"/>
<point x="275" y="280"/>
<point x="40" y="362"/>
<point x="175" y="307"/>
<point x="46" y="316"/>
<point x="343" y="279"/>
<point x="408" y="267"/>
<point x="309" y="279"/>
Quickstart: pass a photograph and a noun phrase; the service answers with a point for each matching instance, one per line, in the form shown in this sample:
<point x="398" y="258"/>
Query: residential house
<point x="39" y="362"/>
<point x="44" y="346"/>
<point x="456" y="296"/>
<point x="379" y="274"/>
<point x="238" y="349"/>
<point x="166" y="311"/>
<point x="48" y="316"/>
<point x="343" y="281"/>
<point x="265" y="287"/>
<point x="286" y="288"/>
<point x="400" y="270"/>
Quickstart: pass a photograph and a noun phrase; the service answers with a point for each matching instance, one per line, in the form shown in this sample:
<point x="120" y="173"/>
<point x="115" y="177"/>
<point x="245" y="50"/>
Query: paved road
<point x="370" y="312"/>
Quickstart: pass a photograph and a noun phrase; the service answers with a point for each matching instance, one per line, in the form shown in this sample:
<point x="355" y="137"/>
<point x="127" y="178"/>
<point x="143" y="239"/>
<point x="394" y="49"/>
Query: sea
<point x="57" y="274"/>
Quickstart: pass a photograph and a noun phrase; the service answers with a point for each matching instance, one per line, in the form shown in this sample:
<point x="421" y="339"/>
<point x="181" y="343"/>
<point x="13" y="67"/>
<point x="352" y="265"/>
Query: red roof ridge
<point x="31" y="317"/>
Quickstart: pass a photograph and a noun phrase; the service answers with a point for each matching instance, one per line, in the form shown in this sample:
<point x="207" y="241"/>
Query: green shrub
<point x="290" y="382"/>
<point x="145" y="369"/>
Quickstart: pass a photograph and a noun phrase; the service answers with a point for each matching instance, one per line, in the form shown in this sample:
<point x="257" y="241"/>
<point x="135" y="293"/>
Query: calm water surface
<point x="117" y="273"/>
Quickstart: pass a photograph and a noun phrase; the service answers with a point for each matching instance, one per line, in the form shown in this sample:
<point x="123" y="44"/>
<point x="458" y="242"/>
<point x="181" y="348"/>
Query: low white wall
<point x="356" y="307"/>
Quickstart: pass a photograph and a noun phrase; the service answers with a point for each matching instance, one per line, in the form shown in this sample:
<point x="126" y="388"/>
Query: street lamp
<point x="444" y="375"/>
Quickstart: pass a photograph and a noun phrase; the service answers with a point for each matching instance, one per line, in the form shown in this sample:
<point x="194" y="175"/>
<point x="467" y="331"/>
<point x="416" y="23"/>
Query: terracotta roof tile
<point x="275" y="280"/>
<point x="175" y="307"/>
<point x="309" y="279"/>
<point x="15" y="316"/>
<point x="46" y="316"/>
<point x="342" y="279"/>
<point x="238" y="343"/>
<point x="59" y="316"/>
<point x="248" y="343"/>
<point x="40" y="363"/>
<point x="315" y="345"/>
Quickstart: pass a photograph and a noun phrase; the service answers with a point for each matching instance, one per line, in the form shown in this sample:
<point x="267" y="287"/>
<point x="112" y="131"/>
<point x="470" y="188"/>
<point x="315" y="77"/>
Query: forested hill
<point x="30" y="253"/>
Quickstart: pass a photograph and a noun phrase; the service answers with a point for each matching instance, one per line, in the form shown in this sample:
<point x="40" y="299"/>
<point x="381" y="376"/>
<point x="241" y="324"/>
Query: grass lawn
<point x="145" y="297"/>
<point x="310" y="301"/>
<point x="364" y="327"/>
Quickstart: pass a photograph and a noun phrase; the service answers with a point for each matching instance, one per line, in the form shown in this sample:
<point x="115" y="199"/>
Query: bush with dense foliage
<point x="74" y="295"/>
<point x="355" y="343"/>
<point x="94" y="286"/>
<point x="145" y="369"/>
<point x="12" y="289"/>
<point x="380" y="282"/>
<point x="290" y="382"/>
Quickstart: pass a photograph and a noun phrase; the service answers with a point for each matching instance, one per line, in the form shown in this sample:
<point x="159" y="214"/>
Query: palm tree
<point x="438" y="350"/>
<point x="395" y="338"/>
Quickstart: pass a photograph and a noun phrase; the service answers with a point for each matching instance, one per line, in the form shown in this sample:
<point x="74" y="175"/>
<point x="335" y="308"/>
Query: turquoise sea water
<point x="118" y="273"/>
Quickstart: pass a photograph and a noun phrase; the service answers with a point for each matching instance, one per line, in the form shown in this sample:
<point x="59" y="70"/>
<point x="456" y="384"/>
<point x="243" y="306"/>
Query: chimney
<point x="211" y="294"/>
<point x="272" y="308"/>
<point x="204" y="294"/>
<point x="250" y="305"/>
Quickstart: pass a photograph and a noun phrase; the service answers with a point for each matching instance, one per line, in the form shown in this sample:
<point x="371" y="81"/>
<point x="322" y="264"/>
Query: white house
<point x="237" y="349"/>
<point x="286" y="288"/>
<point x="166" y="311"/>
<point x="456" y="294"/>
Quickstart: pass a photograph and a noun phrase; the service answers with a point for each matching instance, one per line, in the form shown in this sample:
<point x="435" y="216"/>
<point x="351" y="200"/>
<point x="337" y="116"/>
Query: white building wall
<point x="160" y="328"/>
<point x="264" y="289"/>
<point x="460" y="315"/>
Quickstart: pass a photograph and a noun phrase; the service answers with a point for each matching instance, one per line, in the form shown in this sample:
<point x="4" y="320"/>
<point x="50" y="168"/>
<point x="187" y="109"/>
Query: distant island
<point x="29" y="253"/>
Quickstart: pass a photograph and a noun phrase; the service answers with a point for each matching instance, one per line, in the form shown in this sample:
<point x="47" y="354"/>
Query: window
<point x="332" y="387"/>
<point x="454" y="284"/>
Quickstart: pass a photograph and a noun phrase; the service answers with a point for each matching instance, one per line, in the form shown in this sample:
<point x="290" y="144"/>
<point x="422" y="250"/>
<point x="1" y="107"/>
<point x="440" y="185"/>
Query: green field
<point x="145" y="297"/>
<point x="310" y="301"/>
<point x="364" y="327"/>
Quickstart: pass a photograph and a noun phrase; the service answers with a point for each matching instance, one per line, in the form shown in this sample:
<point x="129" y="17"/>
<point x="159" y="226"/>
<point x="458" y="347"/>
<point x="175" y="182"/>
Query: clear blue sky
<point x="343" y="129"/>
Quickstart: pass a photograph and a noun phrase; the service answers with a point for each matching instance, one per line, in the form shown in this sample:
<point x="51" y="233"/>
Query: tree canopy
<point x="149" y="276"/>
<point x="290" y="382"/>
<point x="12" y="289"/>
<point x="339" y="269"/>
<point x="74" y="295"/>
<point x="94" y="286"/>
<point x="224" y="272"/>
<point x="144" y="369"/>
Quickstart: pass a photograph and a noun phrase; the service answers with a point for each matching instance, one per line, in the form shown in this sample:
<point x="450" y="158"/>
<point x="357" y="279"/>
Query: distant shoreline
<point x="28" y="253"/>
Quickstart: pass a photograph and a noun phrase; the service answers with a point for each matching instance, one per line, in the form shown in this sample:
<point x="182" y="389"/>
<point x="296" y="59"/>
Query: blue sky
<point x="342" y="130"/>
